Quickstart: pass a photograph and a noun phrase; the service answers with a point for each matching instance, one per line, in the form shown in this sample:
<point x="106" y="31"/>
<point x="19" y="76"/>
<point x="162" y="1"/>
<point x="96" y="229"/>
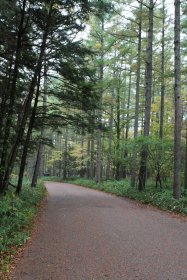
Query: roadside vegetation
<point x="17" y="215"/>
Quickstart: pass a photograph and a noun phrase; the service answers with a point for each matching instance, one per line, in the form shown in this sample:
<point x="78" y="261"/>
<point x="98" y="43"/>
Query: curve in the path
<point x="89" y="235"/>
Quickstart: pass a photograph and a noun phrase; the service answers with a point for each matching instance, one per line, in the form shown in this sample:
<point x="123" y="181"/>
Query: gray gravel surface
<point x="85" y="234"/>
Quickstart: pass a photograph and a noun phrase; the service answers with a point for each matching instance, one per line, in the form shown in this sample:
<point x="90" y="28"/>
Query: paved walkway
<point x="89" y="235"/>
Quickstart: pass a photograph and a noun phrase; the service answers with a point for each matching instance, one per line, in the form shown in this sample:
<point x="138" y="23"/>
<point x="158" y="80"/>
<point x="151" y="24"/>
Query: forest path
<point x="89" y="235"/>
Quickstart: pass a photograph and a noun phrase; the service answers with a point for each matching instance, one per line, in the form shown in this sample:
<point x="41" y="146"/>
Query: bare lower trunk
<point x="88" y="158"/>
<point x="92" y="159"/>
<point x="37" y="166"/>
<point x="185" y="170"/>
<point x="118" y="134"/>
<point x="65" y="157"/>
<point x="109" y="144"/>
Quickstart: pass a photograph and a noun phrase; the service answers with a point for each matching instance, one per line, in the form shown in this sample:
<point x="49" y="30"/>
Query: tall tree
<point x="177" y="95"/>
<point x="148" y="95"/>
<point x="162" y="74"/>
<point x="136" y="117"/>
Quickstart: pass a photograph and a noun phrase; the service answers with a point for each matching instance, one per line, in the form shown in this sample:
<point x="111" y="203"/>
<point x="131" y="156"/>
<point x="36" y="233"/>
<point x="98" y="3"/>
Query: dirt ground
<point x="85" y="234"/>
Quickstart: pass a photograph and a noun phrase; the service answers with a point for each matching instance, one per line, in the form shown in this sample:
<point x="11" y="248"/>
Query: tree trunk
<point x="88" y="158"/>
<point x="65" y="158"/>
<point x="37" y="165"/>
<point x="134" y="156"/>
<point x="92" y="159"/>
<point x="99" y="131"/>
<point x="177" y="94"/>
<point x="82" y="170"/>
<point x="162" y="75"/>
<point x="42" y="165"/>
<point x="148" y="92"/>
<point x="185" y="170"/>
<point x="109" y="144"/>
<point x="118" y="134"/>
<point x="127" y="119"/>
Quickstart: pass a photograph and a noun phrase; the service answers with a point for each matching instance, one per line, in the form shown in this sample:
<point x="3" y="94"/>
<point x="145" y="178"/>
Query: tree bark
<point x="127" y="118"/>
<point x="177" y="94"/>
<point x="99" y="130"/>
<point x="185" y="168"/>
<point x="118" y="134"/>
<point x="109" y="144"/>
<point x="65" y="158"/>
<point x="148" y="93"/>
<point x="134" y="156"/>
<point x="92" y="159"/>
<point x="162" y="75"/>
<point x="88" y="158"/>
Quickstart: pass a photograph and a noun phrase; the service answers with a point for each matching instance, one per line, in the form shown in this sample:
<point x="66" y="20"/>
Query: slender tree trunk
<point x="99" y="131"/>
<point x="185" y="170"/>
<point x="42" y="165"/>
<point x="65" y="158"/>
<point x="161" y="127"/>
<point x="39" y="158"/>
<point x="127" y="119"/>
<point x="92" y="159"/>
<point x="109" y="144"/>
<point x="134" y="157"/>
<point x="177" y="94"/>
<point x="124" y="102"/>
<point x="148" y="91"/>
<point x="88" y="158"/>
<point x="37" y="164"/>
<point x="118" y="134"/>
<point x="82" y="171"/>
<point x="128" y="106"/>
<point x="162" y="75"/>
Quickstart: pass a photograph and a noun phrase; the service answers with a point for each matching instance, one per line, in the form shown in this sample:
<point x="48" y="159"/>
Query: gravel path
<point x="89" y="235"/>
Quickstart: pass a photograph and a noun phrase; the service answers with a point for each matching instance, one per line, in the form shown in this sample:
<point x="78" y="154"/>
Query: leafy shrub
<point x="16" y="218"/>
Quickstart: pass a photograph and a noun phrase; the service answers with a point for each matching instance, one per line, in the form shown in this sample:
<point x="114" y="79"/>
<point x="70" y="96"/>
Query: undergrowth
<point x="17" y="214"/>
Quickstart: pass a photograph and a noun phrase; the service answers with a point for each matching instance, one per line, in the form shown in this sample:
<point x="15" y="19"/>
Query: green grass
<point x="17" y="215"/>
<point x="161" y="198"/>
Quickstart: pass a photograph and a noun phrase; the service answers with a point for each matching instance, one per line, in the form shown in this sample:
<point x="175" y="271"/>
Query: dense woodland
<point x="94" y="89"/>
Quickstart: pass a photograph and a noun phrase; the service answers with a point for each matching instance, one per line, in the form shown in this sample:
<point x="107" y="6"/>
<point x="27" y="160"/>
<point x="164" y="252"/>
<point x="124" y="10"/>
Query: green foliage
<point x="161" y="198"/>
<point x="160" y="160"/>
<point x="16" y="218"/>
<point x="52" y="179"/>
